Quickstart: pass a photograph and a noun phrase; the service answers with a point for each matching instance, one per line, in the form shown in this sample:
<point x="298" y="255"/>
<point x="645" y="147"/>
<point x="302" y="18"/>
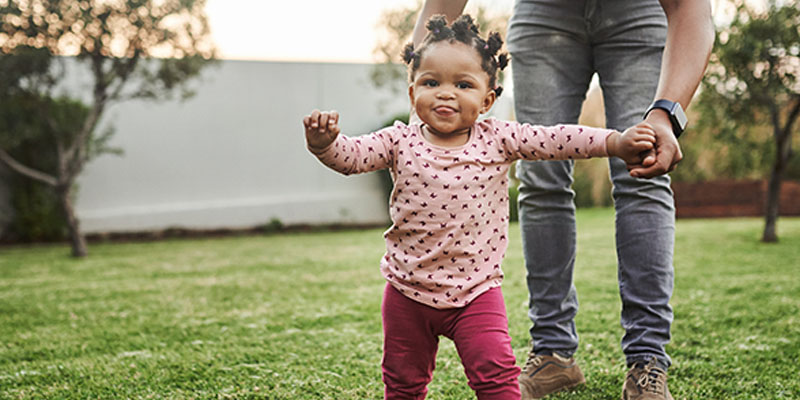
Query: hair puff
<point x="408" y="53"/>
<point x="502" y="61"/>
<point x="495" y="42"/>
<point x="437" y="26"/>
<point x="464" y="29"/>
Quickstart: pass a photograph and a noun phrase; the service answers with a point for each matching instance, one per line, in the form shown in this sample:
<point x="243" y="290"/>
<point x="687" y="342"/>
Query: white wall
<point x="234" y="155"/>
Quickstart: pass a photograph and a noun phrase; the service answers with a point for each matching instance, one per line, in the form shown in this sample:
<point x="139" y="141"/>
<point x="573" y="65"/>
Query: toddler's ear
<point x="411" y="94"/>
<point x="488" y="101"/>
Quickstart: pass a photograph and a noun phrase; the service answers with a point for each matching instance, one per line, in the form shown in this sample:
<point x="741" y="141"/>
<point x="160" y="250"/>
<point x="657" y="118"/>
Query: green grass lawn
<point x="297" y="316"/>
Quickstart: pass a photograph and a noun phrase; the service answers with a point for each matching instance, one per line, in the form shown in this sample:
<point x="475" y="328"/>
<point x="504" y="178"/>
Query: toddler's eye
<point x="430" y="83"/>
<point x="463" y="85"/>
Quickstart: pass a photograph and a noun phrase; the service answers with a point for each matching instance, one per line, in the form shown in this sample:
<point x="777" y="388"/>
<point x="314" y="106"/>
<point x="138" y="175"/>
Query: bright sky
<point x="310" y="30"/>
<point x="320" y="30"/>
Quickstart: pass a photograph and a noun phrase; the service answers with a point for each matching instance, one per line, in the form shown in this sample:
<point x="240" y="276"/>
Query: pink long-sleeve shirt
<point x="449" y="206"/>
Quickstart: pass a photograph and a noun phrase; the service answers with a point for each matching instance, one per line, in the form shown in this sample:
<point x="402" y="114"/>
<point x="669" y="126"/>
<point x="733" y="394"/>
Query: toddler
<point x="449" y="206"/>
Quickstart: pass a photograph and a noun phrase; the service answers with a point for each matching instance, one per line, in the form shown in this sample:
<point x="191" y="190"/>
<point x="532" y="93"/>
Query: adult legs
<point x="630" y="40"/>
<point x="551" y="71"/>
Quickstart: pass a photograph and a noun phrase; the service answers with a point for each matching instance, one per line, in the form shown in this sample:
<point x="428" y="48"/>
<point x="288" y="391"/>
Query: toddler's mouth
<point x="444" y="111"/>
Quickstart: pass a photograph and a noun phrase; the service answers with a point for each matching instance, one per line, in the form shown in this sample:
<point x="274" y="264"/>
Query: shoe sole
<point x="567" y="388"/>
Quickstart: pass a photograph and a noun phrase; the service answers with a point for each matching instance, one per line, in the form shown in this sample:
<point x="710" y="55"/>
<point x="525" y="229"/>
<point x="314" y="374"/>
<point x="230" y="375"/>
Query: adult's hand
<point x="667" y="153"/>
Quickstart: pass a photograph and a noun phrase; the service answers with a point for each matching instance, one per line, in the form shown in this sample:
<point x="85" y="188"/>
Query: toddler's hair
<point x="465" y="31"/>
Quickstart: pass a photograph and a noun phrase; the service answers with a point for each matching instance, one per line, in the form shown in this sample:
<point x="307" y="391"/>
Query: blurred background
<point x="150" y="117"/>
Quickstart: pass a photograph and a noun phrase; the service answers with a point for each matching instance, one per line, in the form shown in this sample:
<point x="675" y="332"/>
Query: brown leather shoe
<point x="544" y="374"/>
<point x="646" y="382"/>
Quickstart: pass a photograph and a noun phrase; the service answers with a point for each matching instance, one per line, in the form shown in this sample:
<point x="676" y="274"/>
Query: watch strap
<point x="675" y="113"/>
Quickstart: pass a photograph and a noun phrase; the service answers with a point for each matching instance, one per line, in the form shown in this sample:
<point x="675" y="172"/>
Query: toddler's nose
<point x="445" y="95"/>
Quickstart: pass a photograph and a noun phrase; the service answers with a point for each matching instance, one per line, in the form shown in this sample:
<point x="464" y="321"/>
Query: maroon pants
<point x="411" y="333"/>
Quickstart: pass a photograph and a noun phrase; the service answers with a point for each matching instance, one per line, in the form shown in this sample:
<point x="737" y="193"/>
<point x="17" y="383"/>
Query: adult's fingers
<point x="660" y="167"/>
<point x="648" y="158"/>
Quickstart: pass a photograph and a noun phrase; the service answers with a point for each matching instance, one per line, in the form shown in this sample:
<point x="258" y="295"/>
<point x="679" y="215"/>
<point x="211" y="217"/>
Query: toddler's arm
<point x="560" y="142"/>
<point x="344" y="154"/>
<point x="572" y="142"/>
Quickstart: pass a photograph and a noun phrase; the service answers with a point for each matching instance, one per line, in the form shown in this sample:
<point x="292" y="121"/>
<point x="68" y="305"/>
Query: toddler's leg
<point x="480" y="332"/>
<point x="409" y="347"/>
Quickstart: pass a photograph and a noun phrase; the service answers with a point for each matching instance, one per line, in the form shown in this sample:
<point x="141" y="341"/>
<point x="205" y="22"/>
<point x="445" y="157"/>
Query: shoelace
<point x="533" y="361"/>
<point x="651" y="379"/>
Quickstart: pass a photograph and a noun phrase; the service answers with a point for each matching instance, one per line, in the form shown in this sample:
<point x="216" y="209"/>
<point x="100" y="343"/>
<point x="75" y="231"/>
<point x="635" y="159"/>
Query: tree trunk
<point x="773" y="207"/>
<point x="774" y="188"/>
<point x="77" y="241"/>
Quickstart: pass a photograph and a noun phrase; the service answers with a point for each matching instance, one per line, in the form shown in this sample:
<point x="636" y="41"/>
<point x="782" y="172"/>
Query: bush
<point x="37" y="216"/>
<point x="37" y="213"/>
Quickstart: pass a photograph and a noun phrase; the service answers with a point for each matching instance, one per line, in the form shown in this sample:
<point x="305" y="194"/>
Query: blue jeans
<point x="556" y="46"/>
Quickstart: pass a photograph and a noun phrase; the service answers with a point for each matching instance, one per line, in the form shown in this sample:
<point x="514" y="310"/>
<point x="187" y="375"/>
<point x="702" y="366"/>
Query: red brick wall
<point x="731" y="199"/>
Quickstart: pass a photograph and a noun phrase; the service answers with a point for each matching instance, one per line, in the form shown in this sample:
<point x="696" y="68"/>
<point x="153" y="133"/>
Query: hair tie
<point x="486" y="46"/>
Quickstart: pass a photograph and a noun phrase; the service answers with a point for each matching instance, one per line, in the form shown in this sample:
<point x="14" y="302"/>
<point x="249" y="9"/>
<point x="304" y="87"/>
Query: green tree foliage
<point x="753" y="81"/>
<point x="131" y="49"/>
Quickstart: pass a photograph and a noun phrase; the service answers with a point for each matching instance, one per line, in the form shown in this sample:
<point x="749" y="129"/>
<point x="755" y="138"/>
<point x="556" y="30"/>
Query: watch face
<point x="680" y="116"/>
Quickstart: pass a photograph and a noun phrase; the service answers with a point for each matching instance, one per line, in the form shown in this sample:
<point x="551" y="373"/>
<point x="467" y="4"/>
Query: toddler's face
<point x="450" y="89"/>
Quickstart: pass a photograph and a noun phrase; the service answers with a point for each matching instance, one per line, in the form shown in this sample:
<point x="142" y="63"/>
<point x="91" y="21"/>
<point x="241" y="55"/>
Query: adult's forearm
<point x="690" y="38"/>
<point x="451" y="9"/>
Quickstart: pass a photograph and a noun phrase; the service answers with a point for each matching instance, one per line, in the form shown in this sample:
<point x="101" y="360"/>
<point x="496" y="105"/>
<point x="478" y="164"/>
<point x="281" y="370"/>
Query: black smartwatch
<point x="675" y="112"/>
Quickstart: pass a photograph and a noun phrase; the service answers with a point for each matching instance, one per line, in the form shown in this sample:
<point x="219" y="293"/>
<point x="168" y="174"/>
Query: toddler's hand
<point x="321" y="128"/>
<point x="632" y="144"/>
